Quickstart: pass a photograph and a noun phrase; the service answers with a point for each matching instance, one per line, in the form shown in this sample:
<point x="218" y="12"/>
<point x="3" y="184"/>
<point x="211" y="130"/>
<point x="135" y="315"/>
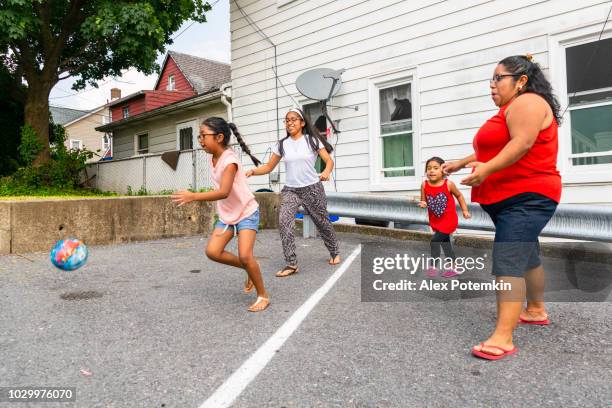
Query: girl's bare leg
<point x="215" y="249"/>
<point x="246" y="243"/>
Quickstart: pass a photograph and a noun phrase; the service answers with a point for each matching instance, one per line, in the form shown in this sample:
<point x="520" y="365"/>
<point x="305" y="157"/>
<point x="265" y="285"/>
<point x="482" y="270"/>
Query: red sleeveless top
<point x="441" y="208"/>
<point x="535" y="172"/>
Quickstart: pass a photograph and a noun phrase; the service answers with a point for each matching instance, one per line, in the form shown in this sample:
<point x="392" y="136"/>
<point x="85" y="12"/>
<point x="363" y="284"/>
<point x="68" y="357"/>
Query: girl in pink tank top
<point x="236" y="206"/>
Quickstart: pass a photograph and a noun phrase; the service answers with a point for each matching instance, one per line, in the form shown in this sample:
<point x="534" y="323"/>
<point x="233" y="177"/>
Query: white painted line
<point x="242" y="377"/>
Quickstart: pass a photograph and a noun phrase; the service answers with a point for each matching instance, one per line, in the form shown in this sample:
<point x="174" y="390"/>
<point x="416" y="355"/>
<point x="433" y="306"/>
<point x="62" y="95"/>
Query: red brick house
<point x="188" y="90"/>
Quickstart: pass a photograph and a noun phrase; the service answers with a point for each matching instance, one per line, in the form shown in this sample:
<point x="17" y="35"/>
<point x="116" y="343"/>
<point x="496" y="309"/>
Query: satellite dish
<point x="319" y="84"/>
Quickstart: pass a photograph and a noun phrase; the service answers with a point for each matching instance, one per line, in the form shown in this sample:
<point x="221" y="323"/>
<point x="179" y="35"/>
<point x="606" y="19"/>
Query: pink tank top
<point x="240" y="203"/>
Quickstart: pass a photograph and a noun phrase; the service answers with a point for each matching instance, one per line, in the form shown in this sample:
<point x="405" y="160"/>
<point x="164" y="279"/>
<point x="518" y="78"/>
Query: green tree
<point x="43" y="42"/>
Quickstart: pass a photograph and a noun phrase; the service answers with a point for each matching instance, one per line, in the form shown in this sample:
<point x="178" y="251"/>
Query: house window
<point x="75" y="144"/>
<point x="185" y="135"/>
<point x="106" y="119"/>
<point x="126" y="111"/>
<point x="395" y="130"/>
<point x="142" y="141"/>
<point x="106" y="145"/>
<point x="315" y="115"/>
<point x="186" y="138"/>
<point x="170" y="86"/>
<point x="589" y="93"/>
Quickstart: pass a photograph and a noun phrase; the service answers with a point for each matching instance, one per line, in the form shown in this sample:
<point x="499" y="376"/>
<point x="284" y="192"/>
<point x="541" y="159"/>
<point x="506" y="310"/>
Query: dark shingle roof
<point x="61" y="116"/>
<point x="204" y="74"/>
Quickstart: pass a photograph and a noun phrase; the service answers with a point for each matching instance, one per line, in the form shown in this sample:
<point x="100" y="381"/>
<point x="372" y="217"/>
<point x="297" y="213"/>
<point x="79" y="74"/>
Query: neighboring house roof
<point x="182" y="104"/>
<point x="203" y="74"/>
<point x="86" y="115"/>
<point x="126" y="98"/>
<point x="61" y="115"/>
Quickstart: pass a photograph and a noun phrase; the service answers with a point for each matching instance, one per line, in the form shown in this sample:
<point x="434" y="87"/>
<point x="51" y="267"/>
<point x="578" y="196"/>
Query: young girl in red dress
<point x="438" y="196"/>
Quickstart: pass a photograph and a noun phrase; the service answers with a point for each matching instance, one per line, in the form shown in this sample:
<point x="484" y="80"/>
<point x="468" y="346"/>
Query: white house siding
<point x="450" y="48"/>
<point x="161" y="129"/>
<point x="83" y="130"/>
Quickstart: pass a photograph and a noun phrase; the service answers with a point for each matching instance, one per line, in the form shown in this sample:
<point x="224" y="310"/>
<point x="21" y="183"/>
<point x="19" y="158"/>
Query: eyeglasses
<point x="292" y="120"/>
<point x="201" y="135"/>
<point x="498" y="77"/>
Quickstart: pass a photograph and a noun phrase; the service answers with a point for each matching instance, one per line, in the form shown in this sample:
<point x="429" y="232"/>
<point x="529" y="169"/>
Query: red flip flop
<point x="537" y="322"/>
<point x="488" y="356"/>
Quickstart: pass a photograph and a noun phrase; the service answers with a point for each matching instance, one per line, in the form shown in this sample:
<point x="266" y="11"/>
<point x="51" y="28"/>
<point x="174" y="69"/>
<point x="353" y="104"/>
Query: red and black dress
<point x="443" y="218"/>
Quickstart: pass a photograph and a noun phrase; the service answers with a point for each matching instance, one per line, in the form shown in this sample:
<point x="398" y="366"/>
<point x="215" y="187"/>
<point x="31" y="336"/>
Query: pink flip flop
<point x="488" y="356"/>
<point x="536" y="322"/>
<point x="432" y="272"/>
<point x="451" y="273"/>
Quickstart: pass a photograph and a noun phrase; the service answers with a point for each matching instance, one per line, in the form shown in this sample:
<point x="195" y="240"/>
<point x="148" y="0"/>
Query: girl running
<point x="437" y="196"/>
<point x="303" y="186"/>
<point x="236" y="206"/>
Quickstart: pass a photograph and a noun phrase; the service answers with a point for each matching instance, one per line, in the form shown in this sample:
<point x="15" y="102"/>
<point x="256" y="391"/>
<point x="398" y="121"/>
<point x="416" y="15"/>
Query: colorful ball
<point x="69" y="254"/>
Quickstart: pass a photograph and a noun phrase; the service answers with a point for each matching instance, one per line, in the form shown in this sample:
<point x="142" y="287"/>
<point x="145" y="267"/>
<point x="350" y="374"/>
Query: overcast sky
<point x="209" y="40"/>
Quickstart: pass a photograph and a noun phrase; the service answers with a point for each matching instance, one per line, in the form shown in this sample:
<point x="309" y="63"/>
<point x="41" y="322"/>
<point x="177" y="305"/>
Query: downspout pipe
<point x="226" y="97"/>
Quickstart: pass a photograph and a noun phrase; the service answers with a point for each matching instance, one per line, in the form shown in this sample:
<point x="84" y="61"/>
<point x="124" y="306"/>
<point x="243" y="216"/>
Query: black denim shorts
<point x="518" y="220"/>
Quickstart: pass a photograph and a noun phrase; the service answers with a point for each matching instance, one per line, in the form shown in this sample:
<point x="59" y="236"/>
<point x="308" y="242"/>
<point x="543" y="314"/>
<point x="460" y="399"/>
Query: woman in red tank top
<point x="515" y="179"/>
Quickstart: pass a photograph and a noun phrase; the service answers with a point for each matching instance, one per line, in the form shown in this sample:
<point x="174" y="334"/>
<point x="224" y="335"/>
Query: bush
<point x="10" y="188"/>
<point x="30" y="145"/>
<point x="61" y="175"/>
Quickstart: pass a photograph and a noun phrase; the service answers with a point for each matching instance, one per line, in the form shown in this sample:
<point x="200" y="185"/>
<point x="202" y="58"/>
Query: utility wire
<point x="275" y="67"/>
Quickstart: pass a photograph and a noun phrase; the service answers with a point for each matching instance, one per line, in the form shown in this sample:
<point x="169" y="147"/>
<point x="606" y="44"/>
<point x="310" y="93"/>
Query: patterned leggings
<point x="312" y="198"/>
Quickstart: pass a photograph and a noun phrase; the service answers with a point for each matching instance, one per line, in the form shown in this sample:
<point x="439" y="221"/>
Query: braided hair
<point x="220" y="125"/>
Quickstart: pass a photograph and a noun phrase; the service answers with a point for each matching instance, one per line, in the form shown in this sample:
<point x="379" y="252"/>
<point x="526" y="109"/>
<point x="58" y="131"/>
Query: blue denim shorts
<point x="518" y="220"/>
<point x="251" y="222"/>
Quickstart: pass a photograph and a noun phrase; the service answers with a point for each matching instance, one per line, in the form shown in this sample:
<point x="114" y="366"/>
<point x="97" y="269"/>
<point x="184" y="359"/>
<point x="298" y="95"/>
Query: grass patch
<point x="53" y="193"/>
<point x="13" y="192"/>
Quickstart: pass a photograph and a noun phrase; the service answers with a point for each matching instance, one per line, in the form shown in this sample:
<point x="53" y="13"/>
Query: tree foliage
<point x="43" y="42"/>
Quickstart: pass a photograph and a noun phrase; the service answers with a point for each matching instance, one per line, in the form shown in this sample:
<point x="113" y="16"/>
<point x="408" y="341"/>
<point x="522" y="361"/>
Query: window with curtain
<point x="75" y="144"/>
<point x="170" y="86"/>
<point x="396" y="131"/>
<point x="186" y="138"/>
<point x="589" y="88"/>
<point x="106" y="145"/>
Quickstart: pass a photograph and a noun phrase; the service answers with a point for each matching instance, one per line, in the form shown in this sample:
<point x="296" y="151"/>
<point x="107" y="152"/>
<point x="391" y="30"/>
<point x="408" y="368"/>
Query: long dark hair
<point x="220" y="125"/>
<point x="311" y="133"/>
<point x="536" y="81"/>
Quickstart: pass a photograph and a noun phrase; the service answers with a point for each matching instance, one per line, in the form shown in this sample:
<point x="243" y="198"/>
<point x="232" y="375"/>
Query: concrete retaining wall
<point x="28" y="226"/>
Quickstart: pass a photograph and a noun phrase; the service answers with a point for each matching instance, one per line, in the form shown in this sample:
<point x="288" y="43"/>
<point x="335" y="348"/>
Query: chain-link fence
<point x="151" y="174"/>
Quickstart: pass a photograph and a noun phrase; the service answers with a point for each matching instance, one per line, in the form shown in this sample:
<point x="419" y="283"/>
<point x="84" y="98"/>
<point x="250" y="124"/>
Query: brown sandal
<point x="286" y="271"/>
<point x="332" y="261"/>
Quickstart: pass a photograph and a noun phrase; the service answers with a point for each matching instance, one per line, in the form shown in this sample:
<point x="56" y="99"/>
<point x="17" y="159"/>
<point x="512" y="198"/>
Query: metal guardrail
<point x="573" y="221"/>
